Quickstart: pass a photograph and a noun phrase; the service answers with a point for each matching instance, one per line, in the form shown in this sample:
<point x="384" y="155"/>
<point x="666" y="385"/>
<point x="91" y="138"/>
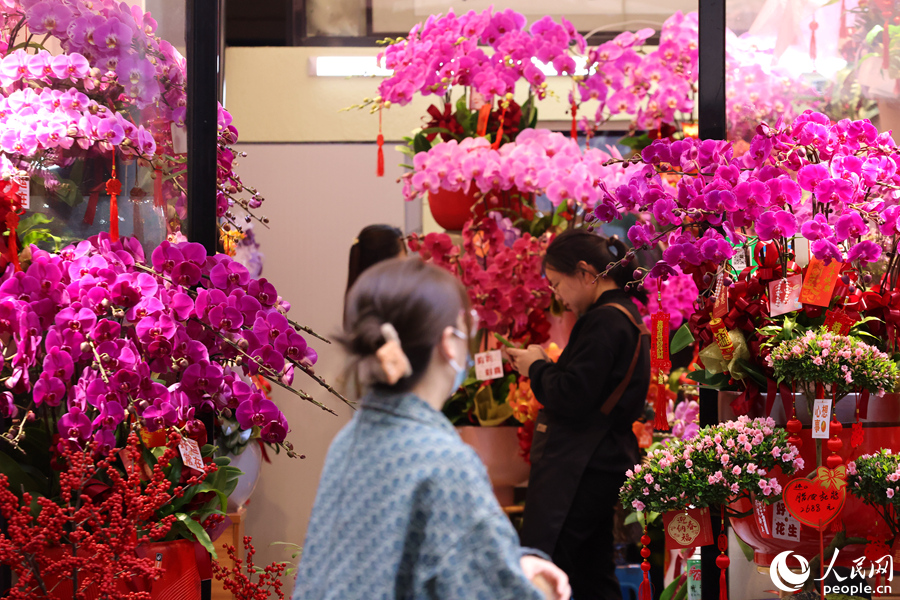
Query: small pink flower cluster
<point x="875" y="479"/>
<point x="539" y="161"/>
<point x="679" y="293"/>
<point x="819" y="356"/>
<point x="446" y="51"/>
<point x="713" y="467"/>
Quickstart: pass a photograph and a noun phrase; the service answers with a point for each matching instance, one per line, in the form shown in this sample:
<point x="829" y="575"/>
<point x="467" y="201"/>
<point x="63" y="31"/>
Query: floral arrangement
<point x="115" y="96"/>
<point x="713" y="468"/>
<point x="97" y="343"/>
<point x="675" y="295"/>
<point x="538" y="162"/>
<point x="844" y="362"/>
<point x="88" y="542"/>
<point x="873" y="478"/>
<point x="872" y="34"/>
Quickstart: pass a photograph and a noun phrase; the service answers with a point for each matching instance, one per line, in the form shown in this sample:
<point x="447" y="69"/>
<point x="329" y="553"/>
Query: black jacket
<point x="571" y="432"/>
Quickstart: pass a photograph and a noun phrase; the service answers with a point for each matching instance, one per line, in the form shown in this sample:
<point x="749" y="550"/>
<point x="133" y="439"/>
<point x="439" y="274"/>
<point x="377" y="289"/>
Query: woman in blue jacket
<point x="404" y="508"/>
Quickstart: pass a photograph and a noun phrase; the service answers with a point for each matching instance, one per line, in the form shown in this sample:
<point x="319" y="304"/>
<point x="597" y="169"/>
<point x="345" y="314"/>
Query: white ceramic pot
<point x="250" y="463"/>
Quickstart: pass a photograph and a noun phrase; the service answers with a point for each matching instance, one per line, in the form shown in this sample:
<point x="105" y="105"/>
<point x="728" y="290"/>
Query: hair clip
<point x="355" y="241"/>
<point x="394" y="363"/>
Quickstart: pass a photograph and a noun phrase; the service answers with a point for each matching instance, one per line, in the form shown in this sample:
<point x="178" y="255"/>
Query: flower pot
<point x="498" y="449"/>
<point x="882" y="430"/>
<point x="452" y="209"/>
<point x="250" y="463"/>
<point x="179" y="580"/>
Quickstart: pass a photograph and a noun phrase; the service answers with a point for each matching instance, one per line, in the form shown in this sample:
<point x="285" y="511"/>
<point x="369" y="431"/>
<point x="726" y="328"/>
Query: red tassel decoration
<point x="812" y="39"/>
<point x="843" y="32"/>
<point x="722" y="561"/>
<point x="158" y="200"/>
<point x="856" y="434"/>
<point x="484" y="113"/>
<point x="886" y="44"/>
<point x="379" y="169"/>
<point x="834" y="443"/>
<point x="114" y="189"/>
<point x="794" y="426"/>
<point x="645" y="589"/>
<point x="499" y="136"/>
<point x="660" y="364"/>
<point x="574" y="121"/>
<point x="12" y="221"/>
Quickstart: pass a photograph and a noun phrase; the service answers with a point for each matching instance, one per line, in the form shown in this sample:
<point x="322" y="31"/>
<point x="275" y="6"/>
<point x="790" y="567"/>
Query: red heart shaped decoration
<point x="812" y="503"/>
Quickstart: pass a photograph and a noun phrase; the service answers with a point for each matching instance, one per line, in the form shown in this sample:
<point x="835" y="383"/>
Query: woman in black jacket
<point x="583" y="439"/>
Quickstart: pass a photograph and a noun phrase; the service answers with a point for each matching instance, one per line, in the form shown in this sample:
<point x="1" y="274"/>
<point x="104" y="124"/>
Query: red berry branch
<point x="87" y="544"/>
<point x="242" y="585"/>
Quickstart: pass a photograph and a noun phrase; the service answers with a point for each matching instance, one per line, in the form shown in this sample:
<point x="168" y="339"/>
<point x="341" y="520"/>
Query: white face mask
<point x="460" y="371"/>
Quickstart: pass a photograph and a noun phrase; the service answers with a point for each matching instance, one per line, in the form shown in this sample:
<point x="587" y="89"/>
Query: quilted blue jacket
<point x="405" y="510"/>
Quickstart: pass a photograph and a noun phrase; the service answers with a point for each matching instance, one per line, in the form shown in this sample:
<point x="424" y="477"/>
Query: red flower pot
<point x="882" y="430"/>
<point x="451" y="210"/>
<point x="179" y="580"/>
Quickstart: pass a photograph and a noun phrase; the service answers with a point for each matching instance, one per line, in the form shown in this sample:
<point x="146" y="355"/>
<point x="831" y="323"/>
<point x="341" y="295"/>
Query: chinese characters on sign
<point x="821" y="419"/>
<point x="784" y="526"/>
<point x="190" y="453"/>
<point x="488" y="365"/>
<point x="688" y="529"/>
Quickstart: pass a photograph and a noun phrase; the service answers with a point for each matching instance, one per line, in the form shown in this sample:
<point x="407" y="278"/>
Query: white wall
<point x="318" y="196"/>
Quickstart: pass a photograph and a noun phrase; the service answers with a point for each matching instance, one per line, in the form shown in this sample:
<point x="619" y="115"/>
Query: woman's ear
<point x="446" y="347"/>
<point x="585" y="268"/>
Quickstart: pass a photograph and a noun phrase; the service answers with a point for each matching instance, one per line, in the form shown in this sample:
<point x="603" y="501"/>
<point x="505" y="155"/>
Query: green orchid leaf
<point x="199" y="533"/>
<point x="682" y="339"/>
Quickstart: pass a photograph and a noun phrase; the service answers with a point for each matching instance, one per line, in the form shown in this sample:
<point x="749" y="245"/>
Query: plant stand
<point x="234" y="536"/>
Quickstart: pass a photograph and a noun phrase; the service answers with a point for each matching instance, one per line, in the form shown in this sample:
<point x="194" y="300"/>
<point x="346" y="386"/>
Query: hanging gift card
<point x="819" y="282"/>
<point x="838" y="322"/>
<point x="190" y="453"/>
<point x="24" y="192"/>
<point x="488" y="365"/>
<point x="821" y="418"/>
<point x="762" y="512"/>
<point x="784" y="295"/>
<point x="179" y="139"/>
<point x="720" y="308"/>
<point x="688" y="528"/>
<point x="801" y="251"/>
<point x="659" y="341"/>
<point x="739" y="260"/>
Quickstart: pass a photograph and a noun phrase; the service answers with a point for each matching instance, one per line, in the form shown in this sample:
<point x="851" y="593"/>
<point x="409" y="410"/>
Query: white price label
<point x="821" y="424"/>
<point x="190" y="453"/>
<point x="784" y="526"/>
<point x="488" y="365"/>
<point x="179" y="139"/>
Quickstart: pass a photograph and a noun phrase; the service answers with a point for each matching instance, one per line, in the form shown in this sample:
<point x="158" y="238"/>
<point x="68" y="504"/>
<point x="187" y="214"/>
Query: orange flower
<point x="553" y="351"/>
<point x="643" y="432"/>
<point x="525" y="406"/>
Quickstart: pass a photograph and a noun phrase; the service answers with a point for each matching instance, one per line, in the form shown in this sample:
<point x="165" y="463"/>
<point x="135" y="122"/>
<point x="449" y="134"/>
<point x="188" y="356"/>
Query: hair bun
<point x="368" y="337"/>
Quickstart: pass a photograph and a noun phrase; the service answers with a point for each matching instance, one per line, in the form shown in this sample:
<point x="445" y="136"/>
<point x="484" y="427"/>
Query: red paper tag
<point x="190" y="453"/>
<point x="784" y="295"/>
<point x="819" y="501"/>
<point x="819" y="283"/>
<point x="838" y="322"/>
<point x="720" y="308"/>
<point x="688" y="529"/>
<point x="155" y="439"/>
<point x="659" y="341"/>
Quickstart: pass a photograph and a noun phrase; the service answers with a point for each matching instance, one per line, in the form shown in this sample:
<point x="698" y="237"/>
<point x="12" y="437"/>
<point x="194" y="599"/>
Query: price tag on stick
<point x="821" y="424"/>
<point x="488" y="365"/>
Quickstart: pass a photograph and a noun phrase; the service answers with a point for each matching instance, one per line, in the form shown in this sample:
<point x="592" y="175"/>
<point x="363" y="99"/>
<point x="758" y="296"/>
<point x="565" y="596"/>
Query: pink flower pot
<point x="498" y="449"/>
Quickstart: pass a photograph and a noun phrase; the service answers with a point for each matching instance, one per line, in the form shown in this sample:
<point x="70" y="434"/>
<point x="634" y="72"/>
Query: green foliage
<point x="875" y="479"/>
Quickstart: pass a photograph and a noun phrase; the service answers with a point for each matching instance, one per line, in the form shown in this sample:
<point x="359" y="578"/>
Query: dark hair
<point x="374" y="244"/>
<point x="418" y="299"/>
<point x="574" y="245"/>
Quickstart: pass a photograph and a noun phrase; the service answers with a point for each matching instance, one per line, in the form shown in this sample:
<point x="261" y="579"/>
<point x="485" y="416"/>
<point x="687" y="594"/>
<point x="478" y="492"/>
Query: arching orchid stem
<point x="323" y="383"/>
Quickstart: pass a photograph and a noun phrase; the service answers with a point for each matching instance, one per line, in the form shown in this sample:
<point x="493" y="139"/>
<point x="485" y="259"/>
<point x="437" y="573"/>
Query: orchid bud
<point x="637" y="274"/>
<point x="707" y="278"/>
<point x="85" y="347"/>
<point x="867" y="278"/>
<point x="845" y="279"/>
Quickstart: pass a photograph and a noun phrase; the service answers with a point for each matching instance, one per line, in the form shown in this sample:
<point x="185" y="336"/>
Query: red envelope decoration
<point x="688" y="529"/>
<point x="818" y="501"/>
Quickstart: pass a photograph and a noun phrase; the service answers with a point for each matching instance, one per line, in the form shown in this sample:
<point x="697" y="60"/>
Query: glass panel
<point x="828" y="56"/>
<point x="93" y="93"/>
<point x="392" y="16"/>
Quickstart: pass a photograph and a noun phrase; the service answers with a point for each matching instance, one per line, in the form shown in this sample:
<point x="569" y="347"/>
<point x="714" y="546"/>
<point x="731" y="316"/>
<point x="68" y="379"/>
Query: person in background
<point x="583" y="440"/>
<point x="404" y="508"/>
<point x="374" y="244"/>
